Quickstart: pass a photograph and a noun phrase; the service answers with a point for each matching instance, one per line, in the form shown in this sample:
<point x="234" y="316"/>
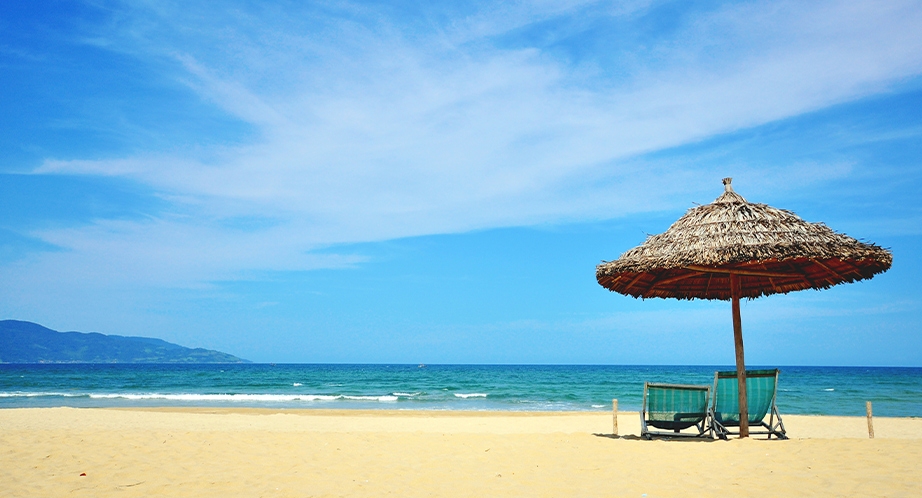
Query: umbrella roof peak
<point x="729" y="196"/>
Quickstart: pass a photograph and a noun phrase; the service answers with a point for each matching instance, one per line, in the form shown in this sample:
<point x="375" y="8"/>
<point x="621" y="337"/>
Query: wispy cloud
<point x="375" y="125"/>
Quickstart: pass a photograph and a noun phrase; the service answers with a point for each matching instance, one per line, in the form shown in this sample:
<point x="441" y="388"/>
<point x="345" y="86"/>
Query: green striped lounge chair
<point x="761" y="390"/>
<point x="674" y="408"/>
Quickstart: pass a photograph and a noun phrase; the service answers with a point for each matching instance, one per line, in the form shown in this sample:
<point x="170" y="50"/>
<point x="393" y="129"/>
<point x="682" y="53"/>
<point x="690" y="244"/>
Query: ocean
<point x="895" y="392"/>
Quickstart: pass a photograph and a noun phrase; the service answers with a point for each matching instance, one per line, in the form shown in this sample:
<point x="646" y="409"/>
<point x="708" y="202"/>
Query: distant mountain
<point x="27" y="342"/>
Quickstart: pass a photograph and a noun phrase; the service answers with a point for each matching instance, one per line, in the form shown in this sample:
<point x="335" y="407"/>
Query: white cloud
<point x="169" y="252"/>
<point x="372" y="130"/>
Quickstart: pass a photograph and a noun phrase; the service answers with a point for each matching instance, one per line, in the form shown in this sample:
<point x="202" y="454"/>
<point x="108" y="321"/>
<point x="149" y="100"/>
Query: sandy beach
<point x="251" y="452"/>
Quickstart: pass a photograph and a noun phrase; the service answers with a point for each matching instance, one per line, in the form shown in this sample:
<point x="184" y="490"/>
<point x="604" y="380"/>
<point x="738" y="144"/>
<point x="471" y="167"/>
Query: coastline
<point x="269" y="452"/>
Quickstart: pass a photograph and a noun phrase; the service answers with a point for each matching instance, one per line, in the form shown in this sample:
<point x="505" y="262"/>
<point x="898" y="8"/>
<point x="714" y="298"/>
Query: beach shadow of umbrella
<point x="627" y="437"/>
<point x="731" y="249"/>
<point x="632" y="437"/>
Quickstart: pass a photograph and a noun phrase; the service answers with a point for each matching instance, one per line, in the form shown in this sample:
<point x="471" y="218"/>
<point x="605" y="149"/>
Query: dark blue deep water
<point x="895" y="392"/>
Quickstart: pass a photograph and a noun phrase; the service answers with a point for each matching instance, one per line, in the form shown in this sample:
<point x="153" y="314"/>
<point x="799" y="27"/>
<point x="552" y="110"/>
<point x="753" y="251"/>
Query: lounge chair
<point x="761" y="389"/>
<point x="674" y="407"/>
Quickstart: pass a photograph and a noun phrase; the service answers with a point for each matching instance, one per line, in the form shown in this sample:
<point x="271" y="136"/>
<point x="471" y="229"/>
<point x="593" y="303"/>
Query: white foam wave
<point x="406" y="395"/>
<point x="371" y="398"/>
<point x="35" y="395"/>
<point x="829" y="390"/>
<point x="598" y="406"/>
<point x="297" y="384"/>
<point x="217" y="397"/>
<point x="261" y="398"/>
<point x="470" y="395"/>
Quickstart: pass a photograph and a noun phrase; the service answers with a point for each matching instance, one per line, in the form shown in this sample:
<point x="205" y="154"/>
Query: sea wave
<point x="371" y="398"/>
<point x="262" y="398"/>
<point x="217" y="397"/>
<point x="38" y="394"/>
<point x="516" y="387"/>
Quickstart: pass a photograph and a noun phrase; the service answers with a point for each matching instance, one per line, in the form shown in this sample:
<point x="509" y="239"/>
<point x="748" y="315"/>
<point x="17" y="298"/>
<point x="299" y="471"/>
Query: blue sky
<point x="415" y="183"/>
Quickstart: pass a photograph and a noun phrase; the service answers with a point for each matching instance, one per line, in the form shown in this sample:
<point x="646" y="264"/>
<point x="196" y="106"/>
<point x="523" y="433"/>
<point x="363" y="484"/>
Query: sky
<point x="435" y="182"/>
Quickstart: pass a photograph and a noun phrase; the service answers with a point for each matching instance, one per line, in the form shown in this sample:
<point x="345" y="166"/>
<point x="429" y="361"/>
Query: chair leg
<point x="778" y="424"/>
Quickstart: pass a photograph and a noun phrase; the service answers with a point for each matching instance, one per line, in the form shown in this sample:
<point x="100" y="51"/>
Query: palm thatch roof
<point x="772" y="250"/>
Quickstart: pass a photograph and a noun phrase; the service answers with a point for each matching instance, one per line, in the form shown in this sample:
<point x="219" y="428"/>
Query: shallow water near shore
<point x="895" y="392"/>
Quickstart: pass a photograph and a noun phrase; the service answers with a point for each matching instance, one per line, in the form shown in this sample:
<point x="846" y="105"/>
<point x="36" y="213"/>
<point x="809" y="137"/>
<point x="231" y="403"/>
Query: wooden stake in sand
<point x="614" y="416"/>
<point x="870" y="420"/>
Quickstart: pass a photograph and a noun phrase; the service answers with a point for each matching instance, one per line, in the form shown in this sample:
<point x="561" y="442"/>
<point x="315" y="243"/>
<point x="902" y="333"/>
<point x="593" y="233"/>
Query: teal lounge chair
<point x="674" y="407"/>
<point x="761" y="389"/>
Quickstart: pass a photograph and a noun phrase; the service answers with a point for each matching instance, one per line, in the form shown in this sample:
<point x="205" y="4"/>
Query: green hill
<point x="27" y="342"/>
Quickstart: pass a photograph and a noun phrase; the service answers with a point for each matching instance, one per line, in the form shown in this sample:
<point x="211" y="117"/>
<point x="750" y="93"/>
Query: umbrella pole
<point x="740" y="361"/>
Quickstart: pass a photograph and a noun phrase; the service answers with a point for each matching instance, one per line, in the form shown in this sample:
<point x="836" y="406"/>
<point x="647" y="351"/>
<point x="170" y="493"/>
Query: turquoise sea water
<point x="802" y="390"/>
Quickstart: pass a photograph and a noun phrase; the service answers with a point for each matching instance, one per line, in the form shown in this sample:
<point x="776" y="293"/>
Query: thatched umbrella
<point x="732" y="248"/>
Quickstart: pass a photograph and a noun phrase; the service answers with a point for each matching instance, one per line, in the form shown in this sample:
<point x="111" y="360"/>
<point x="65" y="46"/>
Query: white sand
<point x="202" y="452"/>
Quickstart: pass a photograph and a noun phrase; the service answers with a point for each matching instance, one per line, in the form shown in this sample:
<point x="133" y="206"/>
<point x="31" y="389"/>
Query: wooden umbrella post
<point x="740" y="361"/>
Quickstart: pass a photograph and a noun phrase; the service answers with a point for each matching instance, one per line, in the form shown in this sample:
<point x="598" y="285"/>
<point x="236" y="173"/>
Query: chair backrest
<point x="680" y="404"/>
<point x="761" y="388"/>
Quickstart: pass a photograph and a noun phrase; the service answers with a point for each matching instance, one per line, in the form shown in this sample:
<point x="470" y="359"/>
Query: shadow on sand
<point x="632" y="437"/>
